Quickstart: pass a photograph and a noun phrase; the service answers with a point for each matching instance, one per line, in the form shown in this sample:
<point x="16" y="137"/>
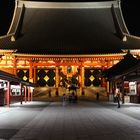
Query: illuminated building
<point x="124" y="76"/>
<point x="50" y="43"/>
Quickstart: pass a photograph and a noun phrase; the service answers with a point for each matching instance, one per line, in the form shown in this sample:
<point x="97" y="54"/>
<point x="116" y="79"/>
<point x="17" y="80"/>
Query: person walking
<point x="118" y="98"/>
<point x="64" y="98"/>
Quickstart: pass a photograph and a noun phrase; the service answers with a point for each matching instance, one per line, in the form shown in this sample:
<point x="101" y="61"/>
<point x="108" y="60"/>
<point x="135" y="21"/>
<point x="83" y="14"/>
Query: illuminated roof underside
<point x="68" y="28"/>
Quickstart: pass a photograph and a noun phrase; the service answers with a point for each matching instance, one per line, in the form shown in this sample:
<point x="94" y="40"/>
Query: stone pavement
<point x="81" y="121"/>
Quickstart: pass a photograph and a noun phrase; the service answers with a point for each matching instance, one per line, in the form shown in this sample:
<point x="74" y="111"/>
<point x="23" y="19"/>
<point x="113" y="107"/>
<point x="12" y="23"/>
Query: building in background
<point x="57" y="44"/>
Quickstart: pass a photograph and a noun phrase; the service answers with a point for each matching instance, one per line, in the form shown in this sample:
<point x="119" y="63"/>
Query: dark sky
<point x="130" y="9"/>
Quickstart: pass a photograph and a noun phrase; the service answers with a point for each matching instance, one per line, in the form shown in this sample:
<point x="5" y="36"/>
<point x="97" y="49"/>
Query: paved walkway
<point x="82" y="121"/>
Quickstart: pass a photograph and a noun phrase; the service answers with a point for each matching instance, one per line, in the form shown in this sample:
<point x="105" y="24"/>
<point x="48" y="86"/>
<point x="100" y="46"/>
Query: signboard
<point x="132" y="88"/>
<point x="2" y="84"/>
<point x="15" y="90"/>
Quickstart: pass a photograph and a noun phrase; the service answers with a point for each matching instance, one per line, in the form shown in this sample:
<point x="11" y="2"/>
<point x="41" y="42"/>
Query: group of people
<point x="72" y="98"/>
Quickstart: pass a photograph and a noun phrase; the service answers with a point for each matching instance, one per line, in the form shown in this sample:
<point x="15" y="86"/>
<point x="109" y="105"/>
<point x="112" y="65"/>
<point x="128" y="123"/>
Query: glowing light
<point x="25" y="78"/>
<point x="92" y="78"/>
<point x="124" y="38"/>
<point x="13" y="39"/>
<point x="51" y="62"/>
<point x="87" y="62"/>
<point x="46" y="78"/>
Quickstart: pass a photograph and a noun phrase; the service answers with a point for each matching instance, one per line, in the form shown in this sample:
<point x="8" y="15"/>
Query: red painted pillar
<point x="25" y="94"/>
<point x="35" y="75"/>
<point x="31" y="95"/>
<point x="31" y="72"/>
<point x="28" y="93"/>
<point x="21" y="96"/>
<point x="8" y="94"/>
<point x="15" y="65"/>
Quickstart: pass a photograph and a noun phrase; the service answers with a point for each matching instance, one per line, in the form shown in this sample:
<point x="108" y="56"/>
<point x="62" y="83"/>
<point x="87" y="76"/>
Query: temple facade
<point x="56" y="44"/>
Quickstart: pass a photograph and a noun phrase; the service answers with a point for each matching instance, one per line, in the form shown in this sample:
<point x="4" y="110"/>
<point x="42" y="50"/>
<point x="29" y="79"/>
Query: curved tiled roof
<point x="66" y="28"/>
<point x="128" y="62"/>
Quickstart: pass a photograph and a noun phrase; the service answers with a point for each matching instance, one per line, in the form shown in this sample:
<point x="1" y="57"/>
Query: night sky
<point x="130" y="9"/>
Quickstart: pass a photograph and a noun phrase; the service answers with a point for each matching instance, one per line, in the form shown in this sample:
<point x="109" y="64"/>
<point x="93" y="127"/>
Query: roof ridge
<point x="133" y="36"/>
<point x="64" y="5"/>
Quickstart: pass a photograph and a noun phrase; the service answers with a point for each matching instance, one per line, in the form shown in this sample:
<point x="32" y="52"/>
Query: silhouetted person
<point x="57" y="94"/>
<point x="70" y="98"/>
<point x="97" y="96"/>
<point x="49" y="92"/>
<point x="64" y="99"/>
<point x="118" y="98"/>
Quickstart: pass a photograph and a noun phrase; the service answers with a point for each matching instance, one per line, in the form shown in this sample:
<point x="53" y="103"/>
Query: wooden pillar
<point x="21" y="96"/>
<point x="80" y="79"/>
<point x="31" y="71"/>
<point x="8" y="94"/>
<point x="35" y="76"/>
<point x="31" y="95"/>
<point x="110" y="90"/>
<point x="28" y="94"/>
<point x="114" y="84"/>
<point x="82" y="76"/>
<point x="57" y="76"/>
<point x="25" y="94"/>
<point x="15" y="65"/>
<point x="122" y="82"/>
<point x="110" y="87"/>
<point x="103" y="80"/>
<point x="113" y="89"/>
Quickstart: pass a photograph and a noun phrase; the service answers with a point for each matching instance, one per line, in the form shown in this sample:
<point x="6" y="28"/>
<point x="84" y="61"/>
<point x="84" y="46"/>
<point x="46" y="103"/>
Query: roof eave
<point x="69" y="55"/>
<point x="64" y="5"/>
